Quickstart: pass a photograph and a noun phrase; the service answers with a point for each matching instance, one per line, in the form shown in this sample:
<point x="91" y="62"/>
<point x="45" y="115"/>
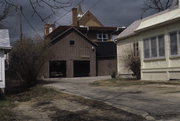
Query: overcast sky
<point x="109" y="12"/>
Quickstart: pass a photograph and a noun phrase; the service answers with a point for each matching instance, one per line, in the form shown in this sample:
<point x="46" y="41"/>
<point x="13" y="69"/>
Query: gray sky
<point x="109" y="12"/>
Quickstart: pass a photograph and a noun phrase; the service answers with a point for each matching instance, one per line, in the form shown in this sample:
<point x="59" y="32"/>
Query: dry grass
<point x="6" y="113"/>
<point x="130" y="82"/>
<point x="55" y="106"/>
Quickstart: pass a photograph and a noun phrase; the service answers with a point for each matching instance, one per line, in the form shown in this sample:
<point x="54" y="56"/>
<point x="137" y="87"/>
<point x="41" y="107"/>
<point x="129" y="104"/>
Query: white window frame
<point x="157" y="48"/>
<point x="178" y="43"/>
<point x="102" y="36"/>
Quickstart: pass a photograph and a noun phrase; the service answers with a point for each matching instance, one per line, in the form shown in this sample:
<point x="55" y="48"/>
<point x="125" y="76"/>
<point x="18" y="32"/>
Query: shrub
<point x="113" y="75"/>
<point x="27" y="59"/>
<point x="133" y="63"/>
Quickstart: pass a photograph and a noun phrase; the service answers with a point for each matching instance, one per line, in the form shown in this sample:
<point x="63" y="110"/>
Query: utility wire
<point x="68" y="12"/>
<point x="31" y="25"/>
<point x="95" y="4"/>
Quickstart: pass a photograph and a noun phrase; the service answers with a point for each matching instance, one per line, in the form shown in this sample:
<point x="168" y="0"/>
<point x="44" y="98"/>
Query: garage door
<point x="57" y="69"/>
<point x="81" y="68"/>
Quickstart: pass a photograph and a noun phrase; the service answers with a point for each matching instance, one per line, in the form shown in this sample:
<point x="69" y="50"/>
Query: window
<point x="154" y="47"/>
<point x="146" y="49"/>
<point x="102" y="37"/>
<point x="72" y="42"/>
<point x="136" y="49"/>
<point x="174" y="43"/>
<point x="161" y="46"/>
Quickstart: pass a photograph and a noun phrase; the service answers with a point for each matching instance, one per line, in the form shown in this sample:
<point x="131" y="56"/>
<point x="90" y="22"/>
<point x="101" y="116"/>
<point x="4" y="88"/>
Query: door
<point x="57" y="69"/>
<point x="81" y="68"/>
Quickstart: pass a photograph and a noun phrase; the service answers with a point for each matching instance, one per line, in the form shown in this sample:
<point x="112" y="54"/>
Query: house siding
<point x="123" y="48"/>
<point x="106" y="66"/>
<point x="81" y="51"/>
<point x="154" y="69"/>
<point x="162" y="69"/>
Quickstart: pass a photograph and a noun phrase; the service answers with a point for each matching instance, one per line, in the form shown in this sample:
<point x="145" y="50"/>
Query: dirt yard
<point x="44" y="104"/>
<point x="153" y="100"/>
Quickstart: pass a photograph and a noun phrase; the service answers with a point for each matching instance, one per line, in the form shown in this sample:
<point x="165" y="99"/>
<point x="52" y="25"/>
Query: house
<point x="157" y="40"/>
<point x="4" y="49"/>
<point x="85" y="48"/>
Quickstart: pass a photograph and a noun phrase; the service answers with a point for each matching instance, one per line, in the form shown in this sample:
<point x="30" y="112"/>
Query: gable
<point x="68" y="32"/>
<point x="81" y="49"/>
<point x="92" y="23"/>
<point x="88" y="19"/>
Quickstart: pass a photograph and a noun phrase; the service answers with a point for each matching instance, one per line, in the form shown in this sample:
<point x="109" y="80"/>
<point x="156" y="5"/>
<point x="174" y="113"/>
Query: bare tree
<point x="36" y="5"/>
<point x="158" y="5"/>
<point x="5" y="10"/>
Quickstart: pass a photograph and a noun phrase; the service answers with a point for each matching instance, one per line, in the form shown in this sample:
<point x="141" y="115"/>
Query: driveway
<point x="160" y="102"/>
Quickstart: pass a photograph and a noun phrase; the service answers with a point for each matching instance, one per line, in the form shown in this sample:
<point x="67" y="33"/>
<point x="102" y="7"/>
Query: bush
<point x="133" y="63"/>
<point x="27" y="59"/>
<point x="113" y="75"/>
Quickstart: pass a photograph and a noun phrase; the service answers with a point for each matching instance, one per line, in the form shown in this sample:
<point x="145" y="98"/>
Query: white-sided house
<point x="157" y="39"/>
<point x="4" y="48"/>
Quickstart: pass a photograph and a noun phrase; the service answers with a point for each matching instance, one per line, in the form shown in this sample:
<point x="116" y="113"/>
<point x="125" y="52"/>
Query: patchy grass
<point x="6" y="113"/>
<point x="37" y="92"/>
<point x="40" y="102"/>
<point x="7" y="104"/>
<point x="130" y="82"/>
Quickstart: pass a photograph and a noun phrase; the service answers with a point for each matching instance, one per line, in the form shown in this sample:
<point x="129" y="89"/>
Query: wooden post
<point x="21" y="33"/>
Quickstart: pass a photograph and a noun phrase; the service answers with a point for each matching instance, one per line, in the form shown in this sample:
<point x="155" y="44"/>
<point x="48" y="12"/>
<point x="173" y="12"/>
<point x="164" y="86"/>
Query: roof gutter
<point x="125" y="37"/>
<point x="5" y="48"/>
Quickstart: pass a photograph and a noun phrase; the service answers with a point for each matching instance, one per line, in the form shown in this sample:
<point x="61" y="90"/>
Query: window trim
<point x="178" y="44"/>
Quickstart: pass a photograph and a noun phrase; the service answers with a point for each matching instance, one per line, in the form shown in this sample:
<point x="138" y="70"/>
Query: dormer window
<point x="102" y="37"/>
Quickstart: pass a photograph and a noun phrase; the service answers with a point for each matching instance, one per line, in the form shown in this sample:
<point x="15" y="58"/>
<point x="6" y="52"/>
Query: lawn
<point x="40" y="103"/>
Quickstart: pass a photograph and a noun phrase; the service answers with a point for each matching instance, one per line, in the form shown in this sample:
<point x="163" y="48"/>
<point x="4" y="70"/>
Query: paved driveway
<point x="152" y="101"/>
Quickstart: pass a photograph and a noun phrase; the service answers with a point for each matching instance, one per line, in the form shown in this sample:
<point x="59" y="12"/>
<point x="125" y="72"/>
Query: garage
<point x="57" y="69"/>
<point x="81" y="68"/>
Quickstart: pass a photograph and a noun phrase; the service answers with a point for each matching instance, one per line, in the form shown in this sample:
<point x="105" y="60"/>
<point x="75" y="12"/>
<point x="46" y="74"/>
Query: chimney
<point x="74" y="17"/>
<point x="48" y="28"/>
